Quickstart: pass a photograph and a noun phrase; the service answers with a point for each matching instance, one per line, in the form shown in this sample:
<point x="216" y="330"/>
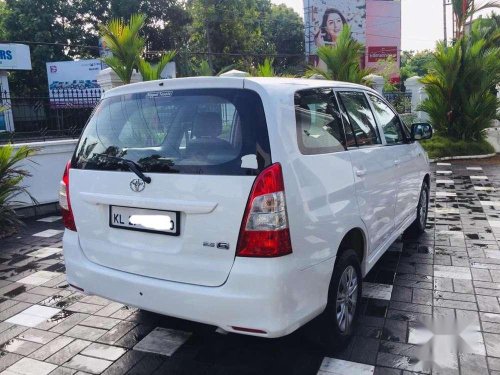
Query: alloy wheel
<point x="347" y="298"/>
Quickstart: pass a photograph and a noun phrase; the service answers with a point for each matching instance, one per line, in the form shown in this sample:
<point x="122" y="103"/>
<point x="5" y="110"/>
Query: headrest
<point x="207" y="124"/>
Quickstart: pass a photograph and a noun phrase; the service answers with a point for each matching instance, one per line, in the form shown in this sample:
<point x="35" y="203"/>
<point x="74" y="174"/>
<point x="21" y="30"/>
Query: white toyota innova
<point x="254" y="205"/>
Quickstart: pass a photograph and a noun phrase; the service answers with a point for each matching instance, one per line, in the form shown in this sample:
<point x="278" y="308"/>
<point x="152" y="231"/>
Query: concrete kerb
<point x="444" y="158"/>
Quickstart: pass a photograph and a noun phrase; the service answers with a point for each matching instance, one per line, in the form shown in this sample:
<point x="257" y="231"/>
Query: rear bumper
<point x="265" y="294"/>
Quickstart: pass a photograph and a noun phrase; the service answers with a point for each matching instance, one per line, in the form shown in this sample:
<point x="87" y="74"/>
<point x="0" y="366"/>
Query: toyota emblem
<point x="137" y="185"/>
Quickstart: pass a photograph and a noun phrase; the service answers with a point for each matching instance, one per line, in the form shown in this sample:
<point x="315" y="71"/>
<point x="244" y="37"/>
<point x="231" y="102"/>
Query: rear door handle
<point x="360" y="172"/>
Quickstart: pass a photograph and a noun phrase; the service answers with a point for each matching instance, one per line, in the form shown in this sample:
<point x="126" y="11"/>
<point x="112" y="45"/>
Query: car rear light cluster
<point x="264" y="230"/>
<point x="64" y="201"/>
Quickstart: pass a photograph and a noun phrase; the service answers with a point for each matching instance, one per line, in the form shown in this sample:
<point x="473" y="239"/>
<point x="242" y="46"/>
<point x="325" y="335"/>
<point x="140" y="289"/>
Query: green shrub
<point x="439" y="146"/>
<point x="11" y="177"/>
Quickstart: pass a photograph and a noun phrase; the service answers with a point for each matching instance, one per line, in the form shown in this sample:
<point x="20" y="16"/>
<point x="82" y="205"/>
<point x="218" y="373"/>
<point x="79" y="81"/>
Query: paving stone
<point x="473" y="364"/>
<point x="110" y="309"/>
<point x="340" y="367"/>
<point x="68" y="352"/>
<point x="39" y="278"/>
<point x="96" y="300"/>
<point x="7" y="359"/>
<point x="100" y="322"/>
<point x="85" y="333"/>
<point x="376" y="290"/>
<point x="51" y="348"/>
<point x="63" y="371"/>
<point x="84" y="307"/>
<point x="28" y="366"/>
<point x="452" y="272"/>
<point x="488" y="304"/>
<point x="132" y="337"/>
<point x="88" y="364"/>
<point x="20" y="346"/>
<point x="68" y="323"/>
<point x="148" y="364"/>
<point x="162" y="341"/>
<point x="492" y="342"/>
<point x="10" y="333"/>
<point x="38" y="336"/>
<point x="117" y="332"/>
<point x="33" y="315"/>
<point x="111" y="353"/>
<point x="125" y="363"/>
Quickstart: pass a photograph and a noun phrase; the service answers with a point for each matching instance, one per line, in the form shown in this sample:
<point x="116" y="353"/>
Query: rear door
<point x="373" y="168"/>
<point x="202" y="149"/>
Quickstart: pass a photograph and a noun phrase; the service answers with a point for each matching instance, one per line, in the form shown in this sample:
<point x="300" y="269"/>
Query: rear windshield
<point x="202" y="131"/>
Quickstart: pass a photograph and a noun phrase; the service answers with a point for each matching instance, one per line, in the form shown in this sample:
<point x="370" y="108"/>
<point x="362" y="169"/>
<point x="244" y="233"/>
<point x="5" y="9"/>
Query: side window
<point x="319" y="126"/>
<point x="388" y="120"/>
<point x="360" y="117"/>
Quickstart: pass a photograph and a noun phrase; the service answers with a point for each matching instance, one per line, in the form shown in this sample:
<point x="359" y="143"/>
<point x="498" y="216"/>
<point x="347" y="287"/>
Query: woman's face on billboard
<point x="334" y="24"/>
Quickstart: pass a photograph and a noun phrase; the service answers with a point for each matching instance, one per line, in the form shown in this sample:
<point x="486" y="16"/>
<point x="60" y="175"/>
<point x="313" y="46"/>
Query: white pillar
<point x="376" y="81"/>
<point x="108" y="79"/>
<point x="418" y="95"/>
<point x="6" y="103"/>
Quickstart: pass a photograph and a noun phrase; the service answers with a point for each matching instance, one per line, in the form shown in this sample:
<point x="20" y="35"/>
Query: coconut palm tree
<point x="342" y="60"/>
<point x="125" y="43"/>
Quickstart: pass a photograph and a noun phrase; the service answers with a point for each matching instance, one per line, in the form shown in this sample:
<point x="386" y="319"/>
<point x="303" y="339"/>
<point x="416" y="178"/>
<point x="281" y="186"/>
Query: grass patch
<point x="438" y="147"/>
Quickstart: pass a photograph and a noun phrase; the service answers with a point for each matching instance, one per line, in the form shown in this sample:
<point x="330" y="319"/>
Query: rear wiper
<point x="131" y="165"/>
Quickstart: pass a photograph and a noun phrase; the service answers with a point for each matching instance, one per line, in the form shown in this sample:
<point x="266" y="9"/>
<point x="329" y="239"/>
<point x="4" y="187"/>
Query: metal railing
<point x="62" y="114"/>
<point x="401" y="101"/>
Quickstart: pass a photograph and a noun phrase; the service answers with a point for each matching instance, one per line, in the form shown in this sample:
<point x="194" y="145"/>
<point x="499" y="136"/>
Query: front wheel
<point x="418" y="226"/>
<point x="334" y="327"/>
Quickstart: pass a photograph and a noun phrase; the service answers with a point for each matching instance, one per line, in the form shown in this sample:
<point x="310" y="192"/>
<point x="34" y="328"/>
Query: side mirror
<point x="420" y="131"/>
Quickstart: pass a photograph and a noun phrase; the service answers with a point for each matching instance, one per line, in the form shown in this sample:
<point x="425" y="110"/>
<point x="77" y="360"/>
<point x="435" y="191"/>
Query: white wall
<point x="46" y="167"/>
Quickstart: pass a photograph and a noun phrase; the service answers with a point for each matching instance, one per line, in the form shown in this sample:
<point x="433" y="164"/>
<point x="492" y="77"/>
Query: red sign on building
<point x="381" y="53"/>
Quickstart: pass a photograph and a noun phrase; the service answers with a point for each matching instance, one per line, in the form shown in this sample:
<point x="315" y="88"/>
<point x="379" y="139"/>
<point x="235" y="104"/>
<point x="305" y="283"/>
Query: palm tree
<point x="265" y="69"/>
<point x="125" y="44"/>
<point x="466" y="9"/>
<point x="11" y="176"/>
<point x="151" y="72"/>
<point x="342" y="60"/>
<point x="461" y="86"/>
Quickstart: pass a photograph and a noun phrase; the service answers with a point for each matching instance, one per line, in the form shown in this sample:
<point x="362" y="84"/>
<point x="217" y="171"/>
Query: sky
<point x="422" y="22"/>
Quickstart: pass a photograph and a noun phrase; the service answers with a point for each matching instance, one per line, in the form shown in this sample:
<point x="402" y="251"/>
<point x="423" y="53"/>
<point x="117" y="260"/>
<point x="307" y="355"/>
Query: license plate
<point x="144" y="220"/>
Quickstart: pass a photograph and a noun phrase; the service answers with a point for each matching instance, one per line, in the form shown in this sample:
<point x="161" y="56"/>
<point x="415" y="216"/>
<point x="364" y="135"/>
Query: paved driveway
<point x="451" y="273"/>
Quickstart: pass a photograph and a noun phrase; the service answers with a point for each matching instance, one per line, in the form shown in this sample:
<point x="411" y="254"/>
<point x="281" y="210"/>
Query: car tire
<point x="329" y="330"/>
<point x="418" y="226"/>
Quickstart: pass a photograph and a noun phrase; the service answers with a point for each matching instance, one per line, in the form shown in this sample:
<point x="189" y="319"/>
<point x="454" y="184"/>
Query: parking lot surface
<point x="451" y="274"/>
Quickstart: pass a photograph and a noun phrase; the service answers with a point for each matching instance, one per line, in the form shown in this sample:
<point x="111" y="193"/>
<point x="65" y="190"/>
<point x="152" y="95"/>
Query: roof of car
<point x="285" y="85"/>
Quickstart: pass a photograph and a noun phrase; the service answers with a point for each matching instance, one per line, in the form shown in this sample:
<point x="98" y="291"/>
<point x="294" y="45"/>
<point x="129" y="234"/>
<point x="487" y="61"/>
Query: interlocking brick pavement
<point x="450" y="272"/>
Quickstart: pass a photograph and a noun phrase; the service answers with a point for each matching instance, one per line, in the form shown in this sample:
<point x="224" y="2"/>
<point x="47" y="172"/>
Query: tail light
<point x="64" y="201"/>
<point x="264" y="230"/>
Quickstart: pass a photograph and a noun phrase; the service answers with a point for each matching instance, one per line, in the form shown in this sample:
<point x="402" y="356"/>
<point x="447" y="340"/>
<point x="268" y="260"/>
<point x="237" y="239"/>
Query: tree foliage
<point x="76" y="23"/>
<point x="11" y="176"/>
<point x="151" y="72"/>
<point x="415" y="63"/>
<point x="125" y="44"/>
<point x="342" y="60"/>
<point x="241" y="33"/>
<point x="461" y="84"/>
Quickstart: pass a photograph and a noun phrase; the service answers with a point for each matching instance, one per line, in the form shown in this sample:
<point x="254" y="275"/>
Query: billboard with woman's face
<point x="324" y="20"/>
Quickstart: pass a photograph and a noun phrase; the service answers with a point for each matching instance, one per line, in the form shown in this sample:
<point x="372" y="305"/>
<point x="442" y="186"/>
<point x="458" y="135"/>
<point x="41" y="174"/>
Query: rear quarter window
<point x="319" y="125"/>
